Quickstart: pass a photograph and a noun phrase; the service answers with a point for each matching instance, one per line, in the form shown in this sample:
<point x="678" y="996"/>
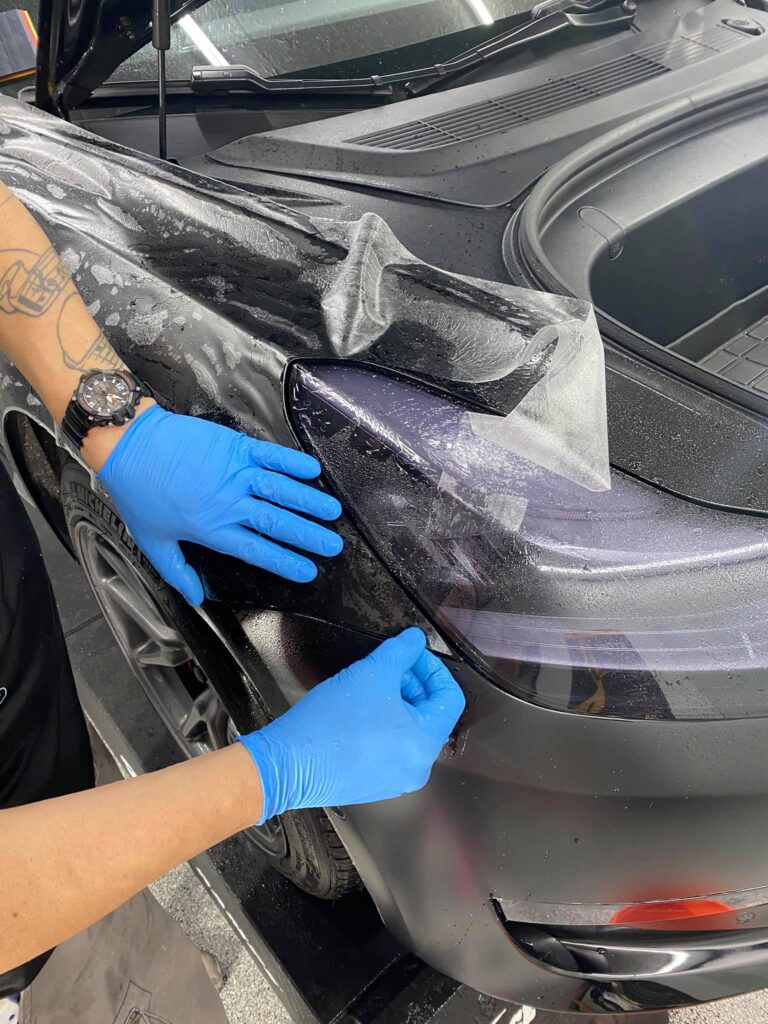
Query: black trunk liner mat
<point x="743" y="359"/>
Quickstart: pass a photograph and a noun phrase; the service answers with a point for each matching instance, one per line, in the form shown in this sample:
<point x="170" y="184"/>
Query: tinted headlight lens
<point x="630" y="602"/>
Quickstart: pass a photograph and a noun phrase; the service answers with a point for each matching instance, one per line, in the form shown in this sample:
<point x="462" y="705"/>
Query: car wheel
<point x="177" y="659"/>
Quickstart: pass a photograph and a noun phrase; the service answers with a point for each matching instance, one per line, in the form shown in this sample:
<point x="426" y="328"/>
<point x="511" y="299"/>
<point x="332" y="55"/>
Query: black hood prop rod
<point x="161" y="40"/>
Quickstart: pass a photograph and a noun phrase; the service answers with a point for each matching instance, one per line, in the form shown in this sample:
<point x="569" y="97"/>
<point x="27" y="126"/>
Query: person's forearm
<point x="67" y="862"/>
<point x="45" y="327"/>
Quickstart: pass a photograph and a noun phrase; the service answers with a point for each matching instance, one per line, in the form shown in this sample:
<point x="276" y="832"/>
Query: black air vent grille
<point x="528" y="105"/>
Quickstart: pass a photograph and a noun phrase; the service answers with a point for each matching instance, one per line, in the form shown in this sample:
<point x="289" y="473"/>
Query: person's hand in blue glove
<point x="176" y="478"/>
<point x="370" y="733"/>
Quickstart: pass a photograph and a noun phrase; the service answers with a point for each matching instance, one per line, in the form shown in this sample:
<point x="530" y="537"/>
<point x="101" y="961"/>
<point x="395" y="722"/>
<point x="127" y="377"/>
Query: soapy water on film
<point x="156" y="252"/>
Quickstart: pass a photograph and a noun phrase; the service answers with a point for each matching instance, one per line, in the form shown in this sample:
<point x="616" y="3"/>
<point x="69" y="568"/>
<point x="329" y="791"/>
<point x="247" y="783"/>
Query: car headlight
<point x="630" y="602"/>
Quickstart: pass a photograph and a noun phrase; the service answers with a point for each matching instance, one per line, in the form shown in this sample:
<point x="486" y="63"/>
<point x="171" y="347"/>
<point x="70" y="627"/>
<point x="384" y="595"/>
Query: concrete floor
<point x="247" y="996"/>
<point x="751" y="1009"/>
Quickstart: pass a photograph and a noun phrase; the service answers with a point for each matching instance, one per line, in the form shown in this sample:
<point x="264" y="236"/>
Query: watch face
<point x="105" y="394"/>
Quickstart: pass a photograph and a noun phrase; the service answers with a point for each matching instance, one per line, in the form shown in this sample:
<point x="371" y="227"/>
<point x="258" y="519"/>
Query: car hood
<point x="471" y="413"/>
<point x="193" y="278"/>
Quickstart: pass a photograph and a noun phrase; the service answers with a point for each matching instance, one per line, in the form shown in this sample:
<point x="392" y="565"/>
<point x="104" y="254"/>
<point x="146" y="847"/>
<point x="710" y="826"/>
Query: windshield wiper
<point x="241" y="78"/>
<point x="574" y="6"/>
<point x="591" y="14"/>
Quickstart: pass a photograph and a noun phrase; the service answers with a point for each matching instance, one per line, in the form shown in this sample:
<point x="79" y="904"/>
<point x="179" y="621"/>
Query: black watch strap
<point x="76" y="424"/>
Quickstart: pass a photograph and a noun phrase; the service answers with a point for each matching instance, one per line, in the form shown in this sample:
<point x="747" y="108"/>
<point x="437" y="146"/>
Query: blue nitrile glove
<point x="176" y="478"/>
<point x="371" y="732"/>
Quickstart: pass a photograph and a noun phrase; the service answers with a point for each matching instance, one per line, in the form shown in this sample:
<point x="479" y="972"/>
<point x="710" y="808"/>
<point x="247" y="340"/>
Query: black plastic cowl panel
<point x="478" y="145"/>
<point x="524" y="106"/>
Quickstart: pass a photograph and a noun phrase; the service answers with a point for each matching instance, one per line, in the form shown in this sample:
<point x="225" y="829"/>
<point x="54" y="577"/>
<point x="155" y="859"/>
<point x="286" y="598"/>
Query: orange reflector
<point x="674" y="910"/>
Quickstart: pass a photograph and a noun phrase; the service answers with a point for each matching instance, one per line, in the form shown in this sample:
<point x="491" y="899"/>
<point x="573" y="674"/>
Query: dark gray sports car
<point x="376" y="237"/>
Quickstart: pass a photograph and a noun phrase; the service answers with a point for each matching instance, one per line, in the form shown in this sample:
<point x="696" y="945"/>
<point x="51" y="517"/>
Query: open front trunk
<point x="664" y="226"/>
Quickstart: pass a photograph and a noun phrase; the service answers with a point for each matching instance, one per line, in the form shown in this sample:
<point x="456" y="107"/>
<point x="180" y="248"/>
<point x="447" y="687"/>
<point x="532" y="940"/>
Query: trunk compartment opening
<point x="667" y="236"/>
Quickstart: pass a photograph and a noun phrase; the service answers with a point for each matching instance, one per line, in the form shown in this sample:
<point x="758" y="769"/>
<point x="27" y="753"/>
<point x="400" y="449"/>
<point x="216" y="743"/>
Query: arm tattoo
<point x="81" y="350"/>
<point x="32" y="283"/>
<point x="97" y="354"/>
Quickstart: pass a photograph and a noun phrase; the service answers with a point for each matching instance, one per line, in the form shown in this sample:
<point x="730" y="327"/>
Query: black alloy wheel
<point x="170" y="651"/>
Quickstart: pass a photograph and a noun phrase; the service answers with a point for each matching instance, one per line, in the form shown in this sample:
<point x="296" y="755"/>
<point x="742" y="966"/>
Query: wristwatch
<point x="102" y="398"/>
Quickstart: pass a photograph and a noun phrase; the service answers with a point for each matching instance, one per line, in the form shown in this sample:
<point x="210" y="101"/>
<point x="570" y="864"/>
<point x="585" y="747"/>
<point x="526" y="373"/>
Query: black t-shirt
<point x="44" y="747"/>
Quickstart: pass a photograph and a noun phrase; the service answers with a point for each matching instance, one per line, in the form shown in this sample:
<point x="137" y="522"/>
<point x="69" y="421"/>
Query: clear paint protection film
<point x="478" y="468"/>
<point x="178" y="268"/>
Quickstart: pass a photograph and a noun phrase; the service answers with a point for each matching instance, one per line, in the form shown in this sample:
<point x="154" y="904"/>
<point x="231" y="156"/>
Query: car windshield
<point x="326" y="38"/>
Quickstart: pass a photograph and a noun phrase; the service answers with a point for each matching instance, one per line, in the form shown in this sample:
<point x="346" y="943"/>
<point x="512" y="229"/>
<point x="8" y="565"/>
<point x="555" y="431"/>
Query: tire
<point x="176" y="658"/>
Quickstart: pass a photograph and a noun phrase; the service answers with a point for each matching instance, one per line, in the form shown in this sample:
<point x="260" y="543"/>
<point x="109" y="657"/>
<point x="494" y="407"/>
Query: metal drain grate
<point x="528" y="105"/>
